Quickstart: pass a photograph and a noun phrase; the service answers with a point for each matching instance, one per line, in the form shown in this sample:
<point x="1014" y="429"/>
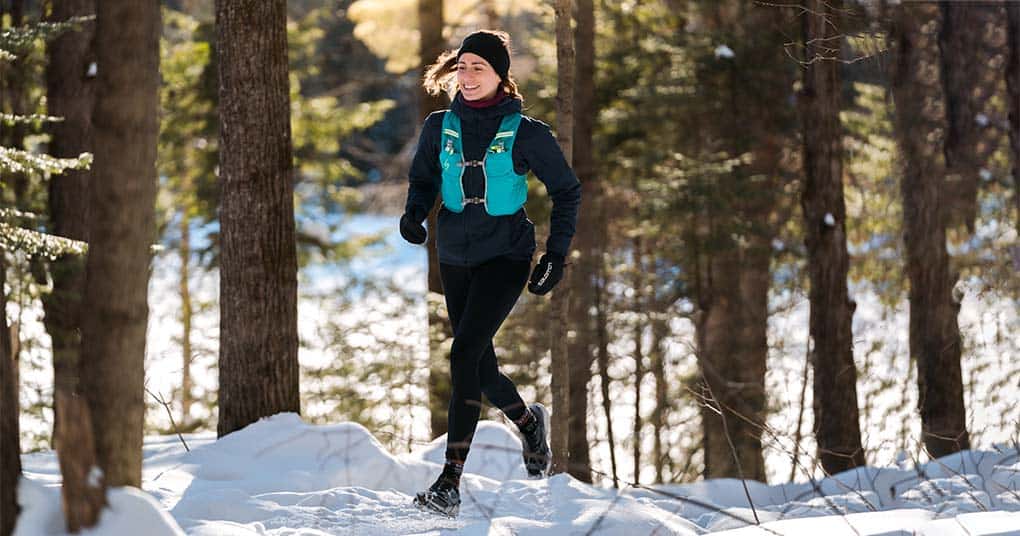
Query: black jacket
<point x="473" y="236"/>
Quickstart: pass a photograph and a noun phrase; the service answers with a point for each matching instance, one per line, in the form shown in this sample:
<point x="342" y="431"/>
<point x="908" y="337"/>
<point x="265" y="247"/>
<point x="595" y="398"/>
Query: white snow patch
<point x="283" y="476"/>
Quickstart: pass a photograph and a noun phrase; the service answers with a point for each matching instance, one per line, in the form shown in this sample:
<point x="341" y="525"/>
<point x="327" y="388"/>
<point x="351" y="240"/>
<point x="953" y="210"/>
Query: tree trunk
<point x="10" y="435"/>
<point x="559" y="304"/>
<point x="1013" y="92"/>
<point x="934" y="333"/>
<point x="430" y="21"/>
<point x="731" y="350"/>
<point x="640" y="310"/>
<point x="83" y="493"/>
<point x="602" y="335"/>
<point x="959" y="40"/>
<point x="186" y="315"/>
<point x="258" y="269"/>
<point x="660" y="451"/>
<point x="70" y="94"/>
<point x="121" y="230"/>
<point x="734" y="243"/>
<point x="837" y="423"/>
<point x="580" y="346"/>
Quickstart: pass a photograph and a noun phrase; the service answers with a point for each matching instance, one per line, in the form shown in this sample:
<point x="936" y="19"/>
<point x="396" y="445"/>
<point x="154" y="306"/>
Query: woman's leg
<point x="498" y="388"/>
<point x="492" y="290"/>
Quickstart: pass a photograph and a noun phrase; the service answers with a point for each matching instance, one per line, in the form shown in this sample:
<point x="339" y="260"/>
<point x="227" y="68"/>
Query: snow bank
<point x="283" y="476"/>
<point x="130" y="511"/>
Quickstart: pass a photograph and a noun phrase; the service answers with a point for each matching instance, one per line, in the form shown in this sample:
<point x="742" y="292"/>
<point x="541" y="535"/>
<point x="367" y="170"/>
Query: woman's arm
<point x="425" y="174"/>
<point x="543" y="156"/>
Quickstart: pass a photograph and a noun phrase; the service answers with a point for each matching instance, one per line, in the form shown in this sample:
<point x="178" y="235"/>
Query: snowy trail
<point x="281" y="476"/>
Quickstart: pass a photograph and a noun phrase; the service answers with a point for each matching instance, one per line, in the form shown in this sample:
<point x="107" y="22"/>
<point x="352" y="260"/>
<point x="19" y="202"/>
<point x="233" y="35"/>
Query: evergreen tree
<point x="18" y="163"/>
<point x="121" y="232"/>
<point x="258" y="366"/>
<point x="733" y="233"/>
<point x="560" y="299"/>
<point x="70" y="94"/>
<point x="10" y="448"/>
<point x="935" y="343"/>
<point x="837" y="425"/>
<point x="581" y="344"/>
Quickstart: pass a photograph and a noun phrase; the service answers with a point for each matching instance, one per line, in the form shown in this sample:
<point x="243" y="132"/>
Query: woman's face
<point x="476" y="78"/>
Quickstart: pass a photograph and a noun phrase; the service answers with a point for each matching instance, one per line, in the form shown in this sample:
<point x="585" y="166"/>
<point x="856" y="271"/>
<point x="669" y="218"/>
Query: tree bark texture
<point x="10" y="407"/>
<point x="581" y="344"/>
<point x="83" y="491"/>
<point x="837" y="423"/>
<point x="559" y="299"/>
<point x="258" y="269"/>
<point x="70" y="94"/>
<point x="732" y="346"/>
<point x="10" y="434"/>
<point x="934" y="333"/>
<point x="122" y="228"/>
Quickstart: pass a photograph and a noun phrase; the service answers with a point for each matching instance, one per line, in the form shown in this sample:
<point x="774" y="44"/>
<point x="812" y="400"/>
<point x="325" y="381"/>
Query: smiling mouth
<point x="472" y="88"/>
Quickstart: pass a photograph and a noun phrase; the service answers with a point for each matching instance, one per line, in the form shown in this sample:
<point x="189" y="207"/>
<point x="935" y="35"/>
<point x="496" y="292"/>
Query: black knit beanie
<point x="491" y="48"/>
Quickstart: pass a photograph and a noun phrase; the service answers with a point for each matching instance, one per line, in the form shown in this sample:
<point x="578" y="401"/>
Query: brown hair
<point x="442" y="74"/>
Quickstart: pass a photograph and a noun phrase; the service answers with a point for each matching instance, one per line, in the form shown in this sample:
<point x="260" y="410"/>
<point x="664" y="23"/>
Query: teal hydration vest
<point x="505" y="190"/>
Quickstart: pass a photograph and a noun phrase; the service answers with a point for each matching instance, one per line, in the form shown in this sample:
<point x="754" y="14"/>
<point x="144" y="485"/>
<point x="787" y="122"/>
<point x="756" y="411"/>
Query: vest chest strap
<point x="474" y="200"/>
<point x="474" y="163"/>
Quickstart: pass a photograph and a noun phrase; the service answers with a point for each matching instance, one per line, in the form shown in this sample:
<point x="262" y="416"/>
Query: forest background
<point x="691" y="335"/>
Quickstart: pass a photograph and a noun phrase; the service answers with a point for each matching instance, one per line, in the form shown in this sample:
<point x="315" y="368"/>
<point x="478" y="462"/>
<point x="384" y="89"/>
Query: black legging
<point x="478" y="299"/>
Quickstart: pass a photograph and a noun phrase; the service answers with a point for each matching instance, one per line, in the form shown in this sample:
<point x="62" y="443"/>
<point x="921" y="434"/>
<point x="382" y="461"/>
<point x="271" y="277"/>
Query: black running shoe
<point x="442" y="497"/>
<point x="535" y="442"/>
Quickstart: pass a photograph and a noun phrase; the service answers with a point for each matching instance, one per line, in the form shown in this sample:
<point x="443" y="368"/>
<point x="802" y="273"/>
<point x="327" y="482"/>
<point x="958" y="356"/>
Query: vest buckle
<point x="474" y="163"/>
<point x="474" y="200"/>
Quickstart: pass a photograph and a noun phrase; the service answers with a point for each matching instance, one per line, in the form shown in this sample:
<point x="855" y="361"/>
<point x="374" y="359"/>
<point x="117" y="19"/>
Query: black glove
<point x="410" y="225"/>
<point x="546" y="274"/>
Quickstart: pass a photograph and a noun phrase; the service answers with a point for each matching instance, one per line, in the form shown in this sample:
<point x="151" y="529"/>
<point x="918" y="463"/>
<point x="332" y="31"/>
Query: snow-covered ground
<point x="283" y="476"/>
